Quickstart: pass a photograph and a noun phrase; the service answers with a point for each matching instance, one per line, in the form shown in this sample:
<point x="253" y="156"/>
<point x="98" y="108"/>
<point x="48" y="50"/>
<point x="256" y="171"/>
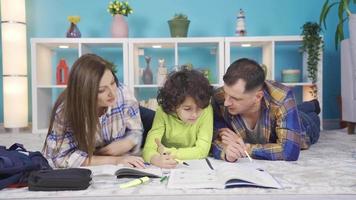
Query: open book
<point x="220" y="175"/>
<point x="125" y="172"/>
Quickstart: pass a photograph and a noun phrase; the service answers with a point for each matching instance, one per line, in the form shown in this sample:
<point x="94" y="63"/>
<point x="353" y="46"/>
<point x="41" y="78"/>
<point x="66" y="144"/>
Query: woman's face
<point x="107" y="93"/>
<point x="189" y="111"/>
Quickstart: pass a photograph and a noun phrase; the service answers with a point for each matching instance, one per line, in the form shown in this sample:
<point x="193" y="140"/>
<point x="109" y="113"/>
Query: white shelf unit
<point x="214" y="53"/>
<point x="176" y="52"/>
<point x="268" y="50"/>
<point x="45" y="55"/>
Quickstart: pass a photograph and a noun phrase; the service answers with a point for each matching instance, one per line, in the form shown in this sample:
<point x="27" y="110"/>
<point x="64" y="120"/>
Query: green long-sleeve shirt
<point x="183" y="140"/>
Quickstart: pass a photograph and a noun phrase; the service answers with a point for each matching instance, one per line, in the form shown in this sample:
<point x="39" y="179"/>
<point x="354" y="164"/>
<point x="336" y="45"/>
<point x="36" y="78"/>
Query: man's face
<point x="238" y="101"/>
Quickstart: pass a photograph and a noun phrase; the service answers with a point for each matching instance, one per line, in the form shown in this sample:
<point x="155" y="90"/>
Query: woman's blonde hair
<point x="80" y="101"/>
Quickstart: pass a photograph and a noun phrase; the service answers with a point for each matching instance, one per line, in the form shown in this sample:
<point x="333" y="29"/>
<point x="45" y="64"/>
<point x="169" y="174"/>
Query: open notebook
<point x="125" y="172"/>
<point x="220" y="175"/>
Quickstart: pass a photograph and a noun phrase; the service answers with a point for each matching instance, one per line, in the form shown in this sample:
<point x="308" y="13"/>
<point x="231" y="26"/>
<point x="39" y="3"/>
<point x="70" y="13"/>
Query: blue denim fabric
<point x="310" y="120"/>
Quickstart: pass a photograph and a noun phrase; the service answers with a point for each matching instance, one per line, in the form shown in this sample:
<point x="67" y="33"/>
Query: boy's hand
<point x="161" y="149"/>
<point x="164" y="161"/>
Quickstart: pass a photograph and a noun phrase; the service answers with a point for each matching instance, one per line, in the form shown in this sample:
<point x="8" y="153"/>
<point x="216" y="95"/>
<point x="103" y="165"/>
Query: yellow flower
<point x="74" y="19"/>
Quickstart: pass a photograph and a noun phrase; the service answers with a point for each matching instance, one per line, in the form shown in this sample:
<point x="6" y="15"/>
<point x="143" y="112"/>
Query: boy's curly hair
<point x="181" y="84"/>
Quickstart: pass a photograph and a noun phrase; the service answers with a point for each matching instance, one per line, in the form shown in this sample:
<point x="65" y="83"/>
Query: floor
<point x="326" y="170"/>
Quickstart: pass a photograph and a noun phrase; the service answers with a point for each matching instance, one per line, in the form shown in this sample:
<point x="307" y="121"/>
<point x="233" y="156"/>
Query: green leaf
<point x="346" y="8"/>
<point x="323" y="13"/>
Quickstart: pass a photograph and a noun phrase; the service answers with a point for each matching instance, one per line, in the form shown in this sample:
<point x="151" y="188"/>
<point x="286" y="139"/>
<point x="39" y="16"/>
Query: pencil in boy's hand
<point x="181" y="162"/>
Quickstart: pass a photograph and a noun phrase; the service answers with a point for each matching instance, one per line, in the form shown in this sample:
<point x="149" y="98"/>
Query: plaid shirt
<point x="279" y="122"/>
<point x="120" y="121"/>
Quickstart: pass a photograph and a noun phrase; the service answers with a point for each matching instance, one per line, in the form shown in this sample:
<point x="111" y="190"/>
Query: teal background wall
<point x="48" y="18"/>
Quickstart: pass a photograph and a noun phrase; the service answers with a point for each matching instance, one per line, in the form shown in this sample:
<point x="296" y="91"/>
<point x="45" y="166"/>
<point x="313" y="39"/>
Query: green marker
<point x="163" y="179"/>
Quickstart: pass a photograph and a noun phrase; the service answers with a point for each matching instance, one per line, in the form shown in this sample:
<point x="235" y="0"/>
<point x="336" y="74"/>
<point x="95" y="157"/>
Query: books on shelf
<point x="220" y="175"/>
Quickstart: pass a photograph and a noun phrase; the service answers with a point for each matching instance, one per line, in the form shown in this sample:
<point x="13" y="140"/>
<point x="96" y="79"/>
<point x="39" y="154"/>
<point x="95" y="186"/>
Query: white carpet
<point x="326" y="170"/>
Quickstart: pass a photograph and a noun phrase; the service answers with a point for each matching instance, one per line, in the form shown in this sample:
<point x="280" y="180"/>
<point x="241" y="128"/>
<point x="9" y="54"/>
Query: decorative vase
<point x="119" y="27"/>
<point x="73" y="31"/>
<point x="178" y="27"/>
<point x="161" y="72"/>
<point x="147" y="76"/>
<point x="62" y="72"/>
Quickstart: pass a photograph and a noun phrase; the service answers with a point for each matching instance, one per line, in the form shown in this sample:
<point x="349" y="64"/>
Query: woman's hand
<point x="131" y="161"/>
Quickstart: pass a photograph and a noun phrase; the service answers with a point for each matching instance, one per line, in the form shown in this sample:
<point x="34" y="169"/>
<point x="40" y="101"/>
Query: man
<point x="259" y="117"/>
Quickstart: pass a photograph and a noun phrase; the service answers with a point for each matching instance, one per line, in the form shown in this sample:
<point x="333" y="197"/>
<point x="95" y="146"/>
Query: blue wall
<point x="48" y="18"/>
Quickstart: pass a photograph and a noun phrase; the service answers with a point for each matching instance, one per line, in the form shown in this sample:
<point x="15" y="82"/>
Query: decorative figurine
<point x="147" y="76"/>
<point x="240" y="24"/>
<point x="161" y="72"/>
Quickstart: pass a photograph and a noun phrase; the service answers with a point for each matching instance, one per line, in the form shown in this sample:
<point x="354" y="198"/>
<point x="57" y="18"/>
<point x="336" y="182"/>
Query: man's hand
<point x="234" y="145"/>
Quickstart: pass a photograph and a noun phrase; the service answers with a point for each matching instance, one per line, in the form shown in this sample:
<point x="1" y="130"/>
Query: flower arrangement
<point x="73" y="19"/>
<point x="117" y="7"/>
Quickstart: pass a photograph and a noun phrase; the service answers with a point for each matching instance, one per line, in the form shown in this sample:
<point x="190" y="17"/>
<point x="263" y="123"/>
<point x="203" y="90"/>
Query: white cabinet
<point x="45" y="56"/>
<point x="212" y="55"/>
<point x="278" y="53"/>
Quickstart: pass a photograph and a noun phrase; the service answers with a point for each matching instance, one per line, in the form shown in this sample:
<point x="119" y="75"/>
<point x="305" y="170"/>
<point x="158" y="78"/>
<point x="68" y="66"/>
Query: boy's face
<point x="189" y="111"/>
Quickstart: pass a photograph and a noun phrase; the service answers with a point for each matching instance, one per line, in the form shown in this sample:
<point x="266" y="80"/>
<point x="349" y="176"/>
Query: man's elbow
<point x="292" y="155"/>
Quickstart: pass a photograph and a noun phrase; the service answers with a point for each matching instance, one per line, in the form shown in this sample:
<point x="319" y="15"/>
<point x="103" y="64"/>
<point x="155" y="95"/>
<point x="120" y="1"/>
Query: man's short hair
<point x="248" y="70"/>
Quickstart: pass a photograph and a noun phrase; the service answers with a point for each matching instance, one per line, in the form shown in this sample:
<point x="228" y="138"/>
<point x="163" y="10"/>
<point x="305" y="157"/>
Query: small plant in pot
<point x="312" y="44"/>
<point x="179" y="25"/>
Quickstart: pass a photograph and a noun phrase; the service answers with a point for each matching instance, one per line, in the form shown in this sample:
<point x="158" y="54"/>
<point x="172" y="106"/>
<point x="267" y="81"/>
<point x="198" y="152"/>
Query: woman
<point x="95" y="120"/>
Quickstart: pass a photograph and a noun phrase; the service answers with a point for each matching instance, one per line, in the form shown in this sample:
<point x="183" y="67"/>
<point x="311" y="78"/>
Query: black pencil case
<point x="59" y="179"/>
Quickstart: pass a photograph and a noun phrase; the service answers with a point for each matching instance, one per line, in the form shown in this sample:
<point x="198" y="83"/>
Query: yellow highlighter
<point x="135" y="182"/>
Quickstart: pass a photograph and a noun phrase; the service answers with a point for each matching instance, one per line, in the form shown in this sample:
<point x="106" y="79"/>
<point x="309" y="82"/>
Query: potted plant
<point x="179" y="25"/>
<point x="344" y="14"/>
<point x="118" y="10"/>
<point x="348" y="55"/>
<point x="311" y="45"/>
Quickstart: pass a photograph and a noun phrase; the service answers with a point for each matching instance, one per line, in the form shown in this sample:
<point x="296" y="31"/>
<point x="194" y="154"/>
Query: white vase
<point x="119" y="27"/>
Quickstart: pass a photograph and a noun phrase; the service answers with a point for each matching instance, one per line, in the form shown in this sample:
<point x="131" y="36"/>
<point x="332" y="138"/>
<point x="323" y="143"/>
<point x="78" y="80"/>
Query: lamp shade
<point x="14" y="56"/>
<point x="13" y="10"/>
<point x="14" y="49"/>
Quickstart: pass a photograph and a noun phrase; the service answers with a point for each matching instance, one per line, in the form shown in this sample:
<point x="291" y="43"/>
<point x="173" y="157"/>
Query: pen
<point x="209" y="164"/>
<point x="181" y="162"/>
<point x="135" y="182"/>
<point x="249" y="157"/>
